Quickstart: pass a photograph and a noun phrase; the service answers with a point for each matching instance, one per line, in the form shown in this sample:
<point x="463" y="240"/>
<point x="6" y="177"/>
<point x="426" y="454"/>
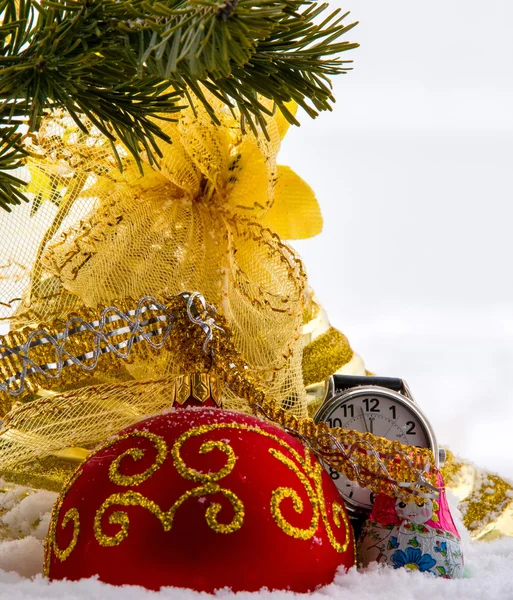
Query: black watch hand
<point x="365" y="421"/>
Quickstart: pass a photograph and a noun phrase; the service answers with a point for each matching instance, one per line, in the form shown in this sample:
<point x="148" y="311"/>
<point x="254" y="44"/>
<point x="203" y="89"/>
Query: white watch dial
<point x="382" y="416"/>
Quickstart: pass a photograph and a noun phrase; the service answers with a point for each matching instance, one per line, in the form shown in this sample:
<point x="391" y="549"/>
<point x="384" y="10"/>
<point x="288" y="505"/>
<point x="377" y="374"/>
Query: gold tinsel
<point x="325" y="355"/>
<point x="44" y="426"/>
<point x="486" y="499"/>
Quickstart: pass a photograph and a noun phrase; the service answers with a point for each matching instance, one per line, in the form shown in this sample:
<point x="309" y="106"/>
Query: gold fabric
<point x="485" y="499"/>
<point x="325" y="355"/>
<point x="209" y="217"/>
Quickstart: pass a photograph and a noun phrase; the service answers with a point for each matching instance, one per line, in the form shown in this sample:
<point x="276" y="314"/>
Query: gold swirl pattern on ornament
<point x="307" y="469"/>
<point x="136" y="454"/>
<point x="166" y="518"/>
<point x="339" y="516"/>
<point x="281" y="493"/>
<point x="71" y="515"/>
<point x="193" y="474"/>
<point x="316" y="495"/>
<point x="51" y="539"/>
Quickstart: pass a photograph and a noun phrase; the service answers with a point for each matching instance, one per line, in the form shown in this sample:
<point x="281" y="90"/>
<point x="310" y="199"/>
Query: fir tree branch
<point x="111" y="61"/>
<point x="12" y="154"/>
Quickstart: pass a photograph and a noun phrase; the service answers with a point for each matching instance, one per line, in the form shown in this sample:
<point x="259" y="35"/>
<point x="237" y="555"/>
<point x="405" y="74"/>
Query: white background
<point x="413" y="171"/>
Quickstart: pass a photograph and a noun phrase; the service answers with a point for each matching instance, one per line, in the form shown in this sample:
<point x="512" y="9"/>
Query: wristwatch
<point x="383" y="406"/>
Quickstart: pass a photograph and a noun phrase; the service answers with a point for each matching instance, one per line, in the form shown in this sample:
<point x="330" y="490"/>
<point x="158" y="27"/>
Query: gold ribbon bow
<point x="210" y="217"/>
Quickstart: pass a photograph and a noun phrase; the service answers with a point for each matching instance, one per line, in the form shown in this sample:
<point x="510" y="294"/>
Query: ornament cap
<point x="196" y="389"/>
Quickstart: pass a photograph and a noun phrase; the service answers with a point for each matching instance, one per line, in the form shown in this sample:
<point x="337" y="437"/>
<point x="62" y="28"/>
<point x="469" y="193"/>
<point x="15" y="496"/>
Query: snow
<point x="491" y="568"/>
<point x="488" y="569"/>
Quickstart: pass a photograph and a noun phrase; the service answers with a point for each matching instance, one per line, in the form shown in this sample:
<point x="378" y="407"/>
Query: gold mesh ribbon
<point x="210" y="217"/>
<point x="198" y="341"/>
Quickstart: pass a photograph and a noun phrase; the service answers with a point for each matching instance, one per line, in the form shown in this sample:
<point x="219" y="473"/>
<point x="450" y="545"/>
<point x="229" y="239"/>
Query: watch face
<point x="381" y="412"/>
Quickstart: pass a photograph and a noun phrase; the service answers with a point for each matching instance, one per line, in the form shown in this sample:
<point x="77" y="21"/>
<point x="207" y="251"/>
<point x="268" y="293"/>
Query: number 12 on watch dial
<point x="384" y="414"/>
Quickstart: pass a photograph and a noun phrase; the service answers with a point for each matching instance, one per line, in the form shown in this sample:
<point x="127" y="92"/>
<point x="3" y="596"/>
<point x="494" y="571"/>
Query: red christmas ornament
<point x="201" y="498"/>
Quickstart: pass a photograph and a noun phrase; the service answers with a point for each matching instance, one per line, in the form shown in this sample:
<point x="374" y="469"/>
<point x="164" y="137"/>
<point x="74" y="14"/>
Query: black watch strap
<point x="346" y="382"/>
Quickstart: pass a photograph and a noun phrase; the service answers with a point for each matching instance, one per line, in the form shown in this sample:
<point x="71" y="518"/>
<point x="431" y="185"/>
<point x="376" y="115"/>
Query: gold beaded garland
<point x="486" y="499"/>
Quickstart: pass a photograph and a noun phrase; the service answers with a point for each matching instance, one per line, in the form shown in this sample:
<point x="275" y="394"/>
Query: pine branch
<point x="241" y="48"/>
<point x="111" y="61"/>
<point x="11" y="157"/>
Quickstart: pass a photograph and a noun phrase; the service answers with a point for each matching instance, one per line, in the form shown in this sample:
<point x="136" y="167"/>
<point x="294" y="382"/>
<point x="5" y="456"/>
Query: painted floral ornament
<point x="201" y="498"/>
<point x="419" y="536"/>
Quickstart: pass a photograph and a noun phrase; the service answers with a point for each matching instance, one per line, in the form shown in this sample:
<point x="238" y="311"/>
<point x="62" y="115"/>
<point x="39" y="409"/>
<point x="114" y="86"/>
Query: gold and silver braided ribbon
<point x="200" y="340"/>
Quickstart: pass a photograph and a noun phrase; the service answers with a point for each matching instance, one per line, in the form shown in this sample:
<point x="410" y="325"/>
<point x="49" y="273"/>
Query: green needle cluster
<point x="114" y="62"/>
